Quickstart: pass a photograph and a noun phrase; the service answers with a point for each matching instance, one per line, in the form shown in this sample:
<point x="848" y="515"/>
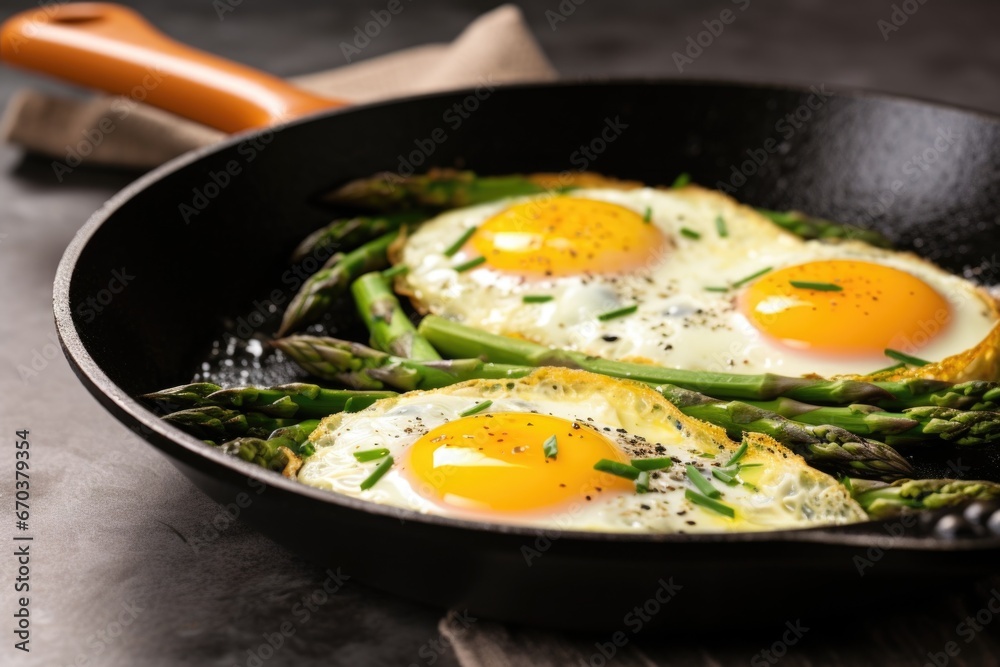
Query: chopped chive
<point x="377" y="474"/>
<point x="393" y="271"/>
<point x="647" y="216"/>
<point x="617" y="469"/>
<point x="894" y="367"/>
<point x="550" y="447"/>
<point x="752" y="276"/>
<point x="690" y="233"/>
<point x="536" y="298"/>
<point x="642" y="482"/>
<point x="682" y="179"/>
<point x="619" y="312"/>
<point x="661" y="463"/>
<point x="716" y="289"/>
<point x="846" y="481"/>
<point x="905" y="358"/>
<point x="709" y="503"/>
<point x="819" y="287"/>
<point x="460" y="241"/>
<point x="723" y="477"/>
<point x="471" y="264"/>
<point x="306" y="450"/>
<point x="743" y="466"/>
<point x="703" y="484"/>
<point x="751" y="487"/>
<point x="737" y="455"/>
<point x="366" y="455"/>
<point x="476" y="409"/>
<point x="720" y="226"/>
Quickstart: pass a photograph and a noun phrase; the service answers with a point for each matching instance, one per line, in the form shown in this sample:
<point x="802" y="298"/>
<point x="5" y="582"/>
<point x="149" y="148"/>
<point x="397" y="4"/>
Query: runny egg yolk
<point x="565" y="236"/>
<point x="876" y="307"/>
<point x="496" y="463"/>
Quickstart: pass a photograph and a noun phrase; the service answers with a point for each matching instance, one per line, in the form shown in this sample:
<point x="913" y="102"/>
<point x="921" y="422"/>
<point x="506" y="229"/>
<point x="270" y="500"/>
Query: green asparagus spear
<point x="907" y="495"/>
<point x="972" y="395"/>
<point x="445" y="188"/>
<point x="352" y="232"/>
<point x="299" y="400"/>
<point x="359" y="366"/>
<point x="912" y="425"/>
<point x="318" y="292"/>
<point x="277" y="450"/>
<point x="391" y="330"/>
<point x="457" y="340"/>
<point x="824" y="446"/>
<point x="438" y="189"/>
<point x="218" y="424"/>
<point x="809" y="227"/>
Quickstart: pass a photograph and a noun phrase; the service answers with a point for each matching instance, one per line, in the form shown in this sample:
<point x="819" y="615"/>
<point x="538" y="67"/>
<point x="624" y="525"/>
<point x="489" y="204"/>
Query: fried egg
<point x="687" y="278"/>
<point x="524" y="452"/>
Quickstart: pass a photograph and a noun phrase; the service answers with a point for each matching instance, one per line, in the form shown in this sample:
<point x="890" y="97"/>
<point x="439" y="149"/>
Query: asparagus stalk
<point x="218" y="424"/>
<point x="809" y="227"/>
<point x="318" y="292"/>
<point x="912" y="425"/>
<point x="299" y="400"/>
<point x="441" y="189"/>
<point x="359" y="366"/>
<point x="282" y="450"/>
<point x="824" y="446"/>
<point x="391" y="330"/>
<point x="907" y="495"/>
<point x="972" y="395"/>
<point x="457" y="340"/>
<point x="352" y="232"/>
<point x="445" y="188"/>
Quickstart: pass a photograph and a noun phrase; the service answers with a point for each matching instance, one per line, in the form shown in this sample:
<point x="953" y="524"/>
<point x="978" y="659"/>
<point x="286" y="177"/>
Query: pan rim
<point x="129" y="410"/>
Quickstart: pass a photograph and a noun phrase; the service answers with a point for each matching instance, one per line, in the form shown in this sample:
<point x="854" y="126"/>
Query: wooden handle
<point x="112" y="48"/>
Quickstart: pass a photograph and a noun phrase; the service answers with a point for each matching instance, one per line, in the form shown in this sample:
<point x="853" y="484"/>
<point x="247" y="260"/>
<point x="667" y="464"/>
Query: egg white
<point x="678" y="323"/>
<point x="786" y="492"/>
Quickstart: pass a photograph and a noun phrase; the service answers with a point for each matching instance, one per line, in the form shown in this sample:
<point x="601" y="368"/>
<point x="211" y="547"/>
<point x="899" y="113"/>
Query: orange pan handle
<point x="112" y="48"/>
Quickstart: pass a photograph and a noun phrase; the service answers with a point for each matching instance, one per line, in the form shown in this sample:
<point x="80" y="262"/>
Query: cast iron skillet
<point x="923" y="174"/>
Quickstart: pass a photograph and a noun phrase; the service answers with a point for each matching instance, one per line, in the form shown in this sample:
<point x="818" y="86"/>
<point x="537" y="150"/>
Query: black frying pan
<point x="923" y="174"/>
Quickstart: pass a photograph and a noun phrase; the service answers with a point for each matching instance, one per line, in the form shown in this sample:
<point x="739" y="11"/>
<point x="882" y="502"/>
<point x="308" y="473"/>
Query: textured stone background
<point x="109" y="509"/>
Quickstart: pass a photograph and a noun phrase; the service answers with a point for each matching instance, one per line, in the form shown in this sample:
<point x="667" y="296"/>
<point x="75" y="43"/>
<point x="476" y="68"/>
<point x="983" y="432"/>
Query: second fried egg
<point x="686" y="278"/>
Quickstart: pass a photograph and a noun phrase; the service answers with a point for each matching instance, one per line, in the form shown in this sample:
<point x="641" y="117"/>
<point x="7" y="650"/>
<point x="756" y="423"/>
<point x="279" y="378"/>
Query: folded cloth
<point x="497" y="47"/>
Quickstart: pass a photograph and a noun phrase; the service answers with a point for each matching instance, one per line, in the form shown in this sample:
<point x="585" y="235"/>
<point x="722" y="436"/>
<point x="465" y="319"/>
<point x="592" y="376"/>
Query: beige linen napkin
<point x="497" y="46"/>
